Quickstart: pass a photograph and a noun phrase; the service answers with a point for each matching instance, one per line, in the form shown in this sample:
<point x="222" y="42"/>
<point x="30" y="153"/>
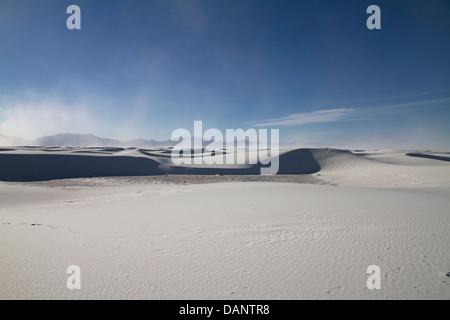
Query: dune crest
<point x="385" y="168"/>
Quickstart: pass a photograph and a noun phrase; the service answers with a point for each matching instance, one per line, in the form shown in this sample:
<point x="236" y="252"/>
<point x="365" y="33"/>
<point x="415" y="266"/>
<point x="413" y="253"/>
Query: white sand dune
<point x="167" y="238"/>
<point x="387" y="169"/>
<point x="384" y="168"/>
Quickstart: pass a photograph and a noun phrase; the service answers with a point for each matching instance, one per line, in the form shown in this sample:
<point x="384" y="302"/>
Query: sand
<point x="240" y="236"/>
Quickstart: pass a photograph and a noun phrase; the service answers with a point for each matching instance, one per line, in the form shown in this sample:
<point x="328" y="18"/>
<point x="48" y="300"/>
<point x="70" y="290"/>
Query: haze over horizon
<point x="312" y="70"/>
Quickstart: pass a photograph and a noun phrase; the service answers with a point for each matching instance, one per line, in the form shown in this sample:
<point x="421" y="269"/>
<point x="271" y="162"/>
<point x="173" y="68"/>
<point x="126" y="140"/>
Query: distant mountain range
<point x="82" y="140"/>
<point x="89" y="140"/>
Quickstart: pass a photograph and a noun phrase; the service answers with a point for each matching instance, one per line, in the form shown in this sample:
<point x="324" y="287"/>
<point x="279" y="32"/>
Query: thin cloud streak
<point x="346" y="114"/>
<point x="330" y="115"/>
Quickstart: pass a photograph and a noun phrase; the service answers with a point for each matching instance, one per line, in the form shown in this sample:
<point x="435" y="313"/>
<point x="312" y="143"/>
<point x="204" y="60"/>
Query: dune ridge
<point x="344" y="167"/>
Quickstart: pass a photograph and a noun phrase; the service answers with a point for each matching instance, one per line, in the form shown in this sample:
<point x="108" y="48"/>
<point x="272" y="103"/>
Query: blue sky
<point x="141" y="69"/>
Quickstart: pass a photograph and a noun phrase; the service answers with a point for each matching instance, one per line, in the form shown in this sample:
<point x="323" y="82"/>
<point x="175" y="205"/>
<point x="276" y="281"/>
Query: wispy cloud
<point x="320" y="116"/>
<point x="33" y="116"/>
<point x="347" y="114"/>
<point x="392" y="109"/>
